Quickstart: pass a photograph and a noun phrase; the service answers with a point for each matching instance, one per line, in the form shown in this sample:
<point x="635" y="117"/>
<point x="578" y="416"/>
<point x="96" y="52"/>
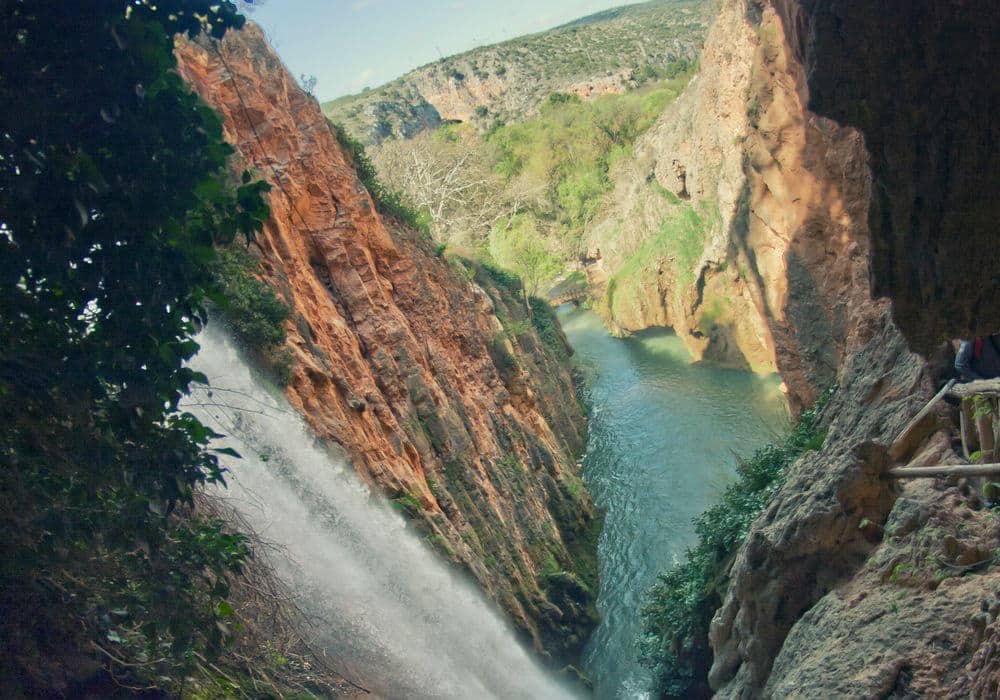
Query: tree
<point x="452" y="177"/>
<point x="308" y="83"/>
<point x="113" y="194"/>
<point x="517" y="246"/>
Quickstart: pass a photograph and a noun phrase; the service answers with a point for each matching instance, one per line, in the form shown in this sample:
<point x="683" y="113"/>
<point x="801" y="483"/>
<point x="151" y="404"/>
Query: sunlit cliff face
<point x="404" y="361"/>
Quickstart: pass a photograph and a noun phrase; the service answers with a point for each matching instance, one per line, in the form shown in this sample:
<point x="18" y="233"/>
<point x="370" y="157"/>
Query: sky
<point x="352" y="44"/>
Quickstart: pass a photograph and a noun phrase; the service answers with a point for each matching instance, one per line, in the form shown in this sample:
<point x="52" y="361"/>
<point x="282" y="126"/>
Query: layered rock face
<point x="428" y="374"/>
<point x="850" y="585"/>
<point x="780" y="258"/>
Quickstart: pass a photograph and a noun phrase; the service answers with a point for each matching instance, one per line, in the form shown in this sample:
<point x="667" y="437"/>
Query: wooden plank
<point x="944" y="470"/>
<point x="965" y="430"/>
<point x="989" y="387"/>
<point x="996" y="427"/>
<point x="905" y="443"/>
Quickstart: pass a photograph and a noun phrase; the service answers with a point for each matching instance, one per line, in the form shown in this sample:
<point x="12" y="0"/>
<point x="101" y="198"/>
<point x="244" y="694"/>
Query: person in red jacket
<point x="979" y="358"/>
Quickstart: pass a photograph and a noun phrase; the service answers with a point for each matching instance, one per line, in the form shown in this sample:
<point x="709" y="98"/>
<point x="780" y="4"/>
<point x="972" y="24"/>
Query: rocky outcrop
<point x="849" y="585"/>
<point x="772" y="277"/>
<point x="607" y="53"/>
<point x="430" y="375"/>
<point x="815" y="534"/>
<point x="919" y="81"/>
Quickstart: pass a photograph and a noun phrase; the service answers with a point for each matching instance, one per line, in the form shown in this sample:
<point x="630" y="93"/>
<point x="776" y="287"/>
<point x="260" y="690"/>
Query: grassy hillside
<point x="522" y="194"/>
<point x="609" y="52"/>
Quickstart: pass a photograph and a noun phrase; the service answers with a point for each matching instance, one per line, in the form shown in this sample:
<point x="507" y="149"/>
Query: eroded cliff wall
<point x="770" y="275"/>
<point x="919" y="80"/>
<point x="429" y="375"/>
<point x="812" y="609"/>
<point x="849" y="584"/>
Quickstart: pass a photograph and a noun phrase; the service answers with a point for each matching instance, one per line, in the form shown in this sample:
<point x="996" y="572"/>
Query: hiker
<point x="979" y="358"/>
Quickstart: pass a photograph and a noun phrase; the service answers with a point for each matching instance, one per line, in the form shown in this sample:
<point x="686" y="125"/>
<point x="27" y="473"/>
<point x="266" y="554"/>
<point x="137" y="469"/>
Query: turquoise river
<point x="663" y="433"/>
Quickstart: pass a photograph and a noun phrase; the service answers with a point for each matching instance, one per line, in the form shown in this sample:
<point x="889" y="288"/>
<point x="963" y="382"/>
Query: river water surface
<point x="662" y="432"/>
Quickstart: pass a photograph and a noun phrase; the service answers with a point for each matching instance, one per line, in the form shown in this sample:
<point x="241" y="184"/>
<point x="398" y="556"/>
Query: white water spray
<point x="387" y="607"/>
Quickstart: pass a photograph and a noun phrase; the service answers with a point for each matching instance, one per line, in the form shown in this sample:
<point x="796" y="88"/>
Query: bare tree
<point x="453" y="179"/>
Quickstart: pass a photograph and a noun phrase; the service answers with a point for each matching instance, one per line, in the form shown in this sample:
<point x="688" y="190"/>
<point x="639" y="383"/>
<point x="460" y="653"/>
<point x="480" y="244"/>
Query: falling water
<point x="388" y="607"/>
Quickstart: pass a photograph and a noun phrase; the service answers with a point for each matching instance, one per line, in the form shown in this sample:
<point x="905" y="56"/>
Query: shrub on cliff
<point x="252" y="310"/>
<point x="680" y="605"/>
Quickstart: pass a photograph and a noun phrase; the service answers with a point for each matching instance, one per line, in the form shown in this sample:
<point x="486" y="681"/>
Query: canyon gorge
<point x="583" y="380"/>
<point x="792" y="251"/>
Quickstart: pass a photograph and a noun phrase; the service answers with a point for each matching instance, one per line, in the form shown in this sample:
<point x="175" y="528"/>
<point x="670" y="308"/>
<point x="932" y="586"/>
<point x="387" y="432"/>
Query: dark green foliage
<point x="680" y="605"/>
<point x="650" y="73"/>
<point x="500" y="277"/>
<point x="408" y="503"/>
<point x="253" y="311"/>
<point x="113" y="196"/>
<point x="543" y="316"/>
<point x="504" y="360"/>
<point x="563" y="98"/>
<point x="390" y="202"/>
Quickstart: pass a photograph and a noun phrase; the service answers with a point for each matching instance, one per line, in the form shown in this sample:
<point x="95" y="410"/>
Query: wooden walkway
<point x="979" y="428"/>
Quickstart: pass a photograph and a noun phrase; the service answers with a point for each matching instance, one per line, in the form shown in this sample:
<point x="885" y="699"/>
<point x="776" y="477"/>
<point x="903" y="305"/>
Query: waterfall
<point x="388" y="606"/>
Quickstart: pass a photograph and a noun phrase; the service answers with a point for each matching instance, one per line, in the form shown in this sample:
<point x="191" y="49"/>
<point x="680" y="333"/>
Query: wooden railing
<point x="979" y="427"/>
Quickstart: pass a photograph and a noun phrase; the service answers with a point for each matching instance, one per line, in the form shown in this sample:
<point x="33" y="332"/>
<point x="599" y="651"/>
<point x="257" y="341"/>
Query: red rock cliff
<point x="434" y="383"/>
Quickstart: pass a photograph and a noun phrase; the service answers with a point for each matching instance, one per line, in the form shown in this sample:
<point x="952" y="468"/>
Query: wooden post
<point x="984" y="426"/>
<point x="943" y="471"/>
<point x="996" y="426"/>
<point x="970" y="442"/>
<point x="964" y="431"/>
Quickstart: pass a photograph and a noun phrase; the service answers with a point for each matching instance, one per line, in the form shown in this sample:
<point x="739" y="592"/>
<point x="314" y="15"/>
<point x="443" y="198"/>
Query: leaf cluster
<point x="252" y="310"/>
<point x="114" y="194"/>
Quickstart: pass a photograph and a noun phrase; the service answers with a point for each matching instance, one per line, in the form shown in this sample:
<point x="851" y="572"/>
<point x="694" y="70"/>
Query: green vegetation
<point x="517" y="246"/>
<point x="543" y="317"/>
<point x="441" y="544"/>
<point x="680" y="240"/>
<point x="408" y="503"/>
<point x="567" y="153"/>
<point x="114" y="196"/>
<point x="524" y="193"/>
<point x="252" y="309"/>
<point x="681" y="604"/>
